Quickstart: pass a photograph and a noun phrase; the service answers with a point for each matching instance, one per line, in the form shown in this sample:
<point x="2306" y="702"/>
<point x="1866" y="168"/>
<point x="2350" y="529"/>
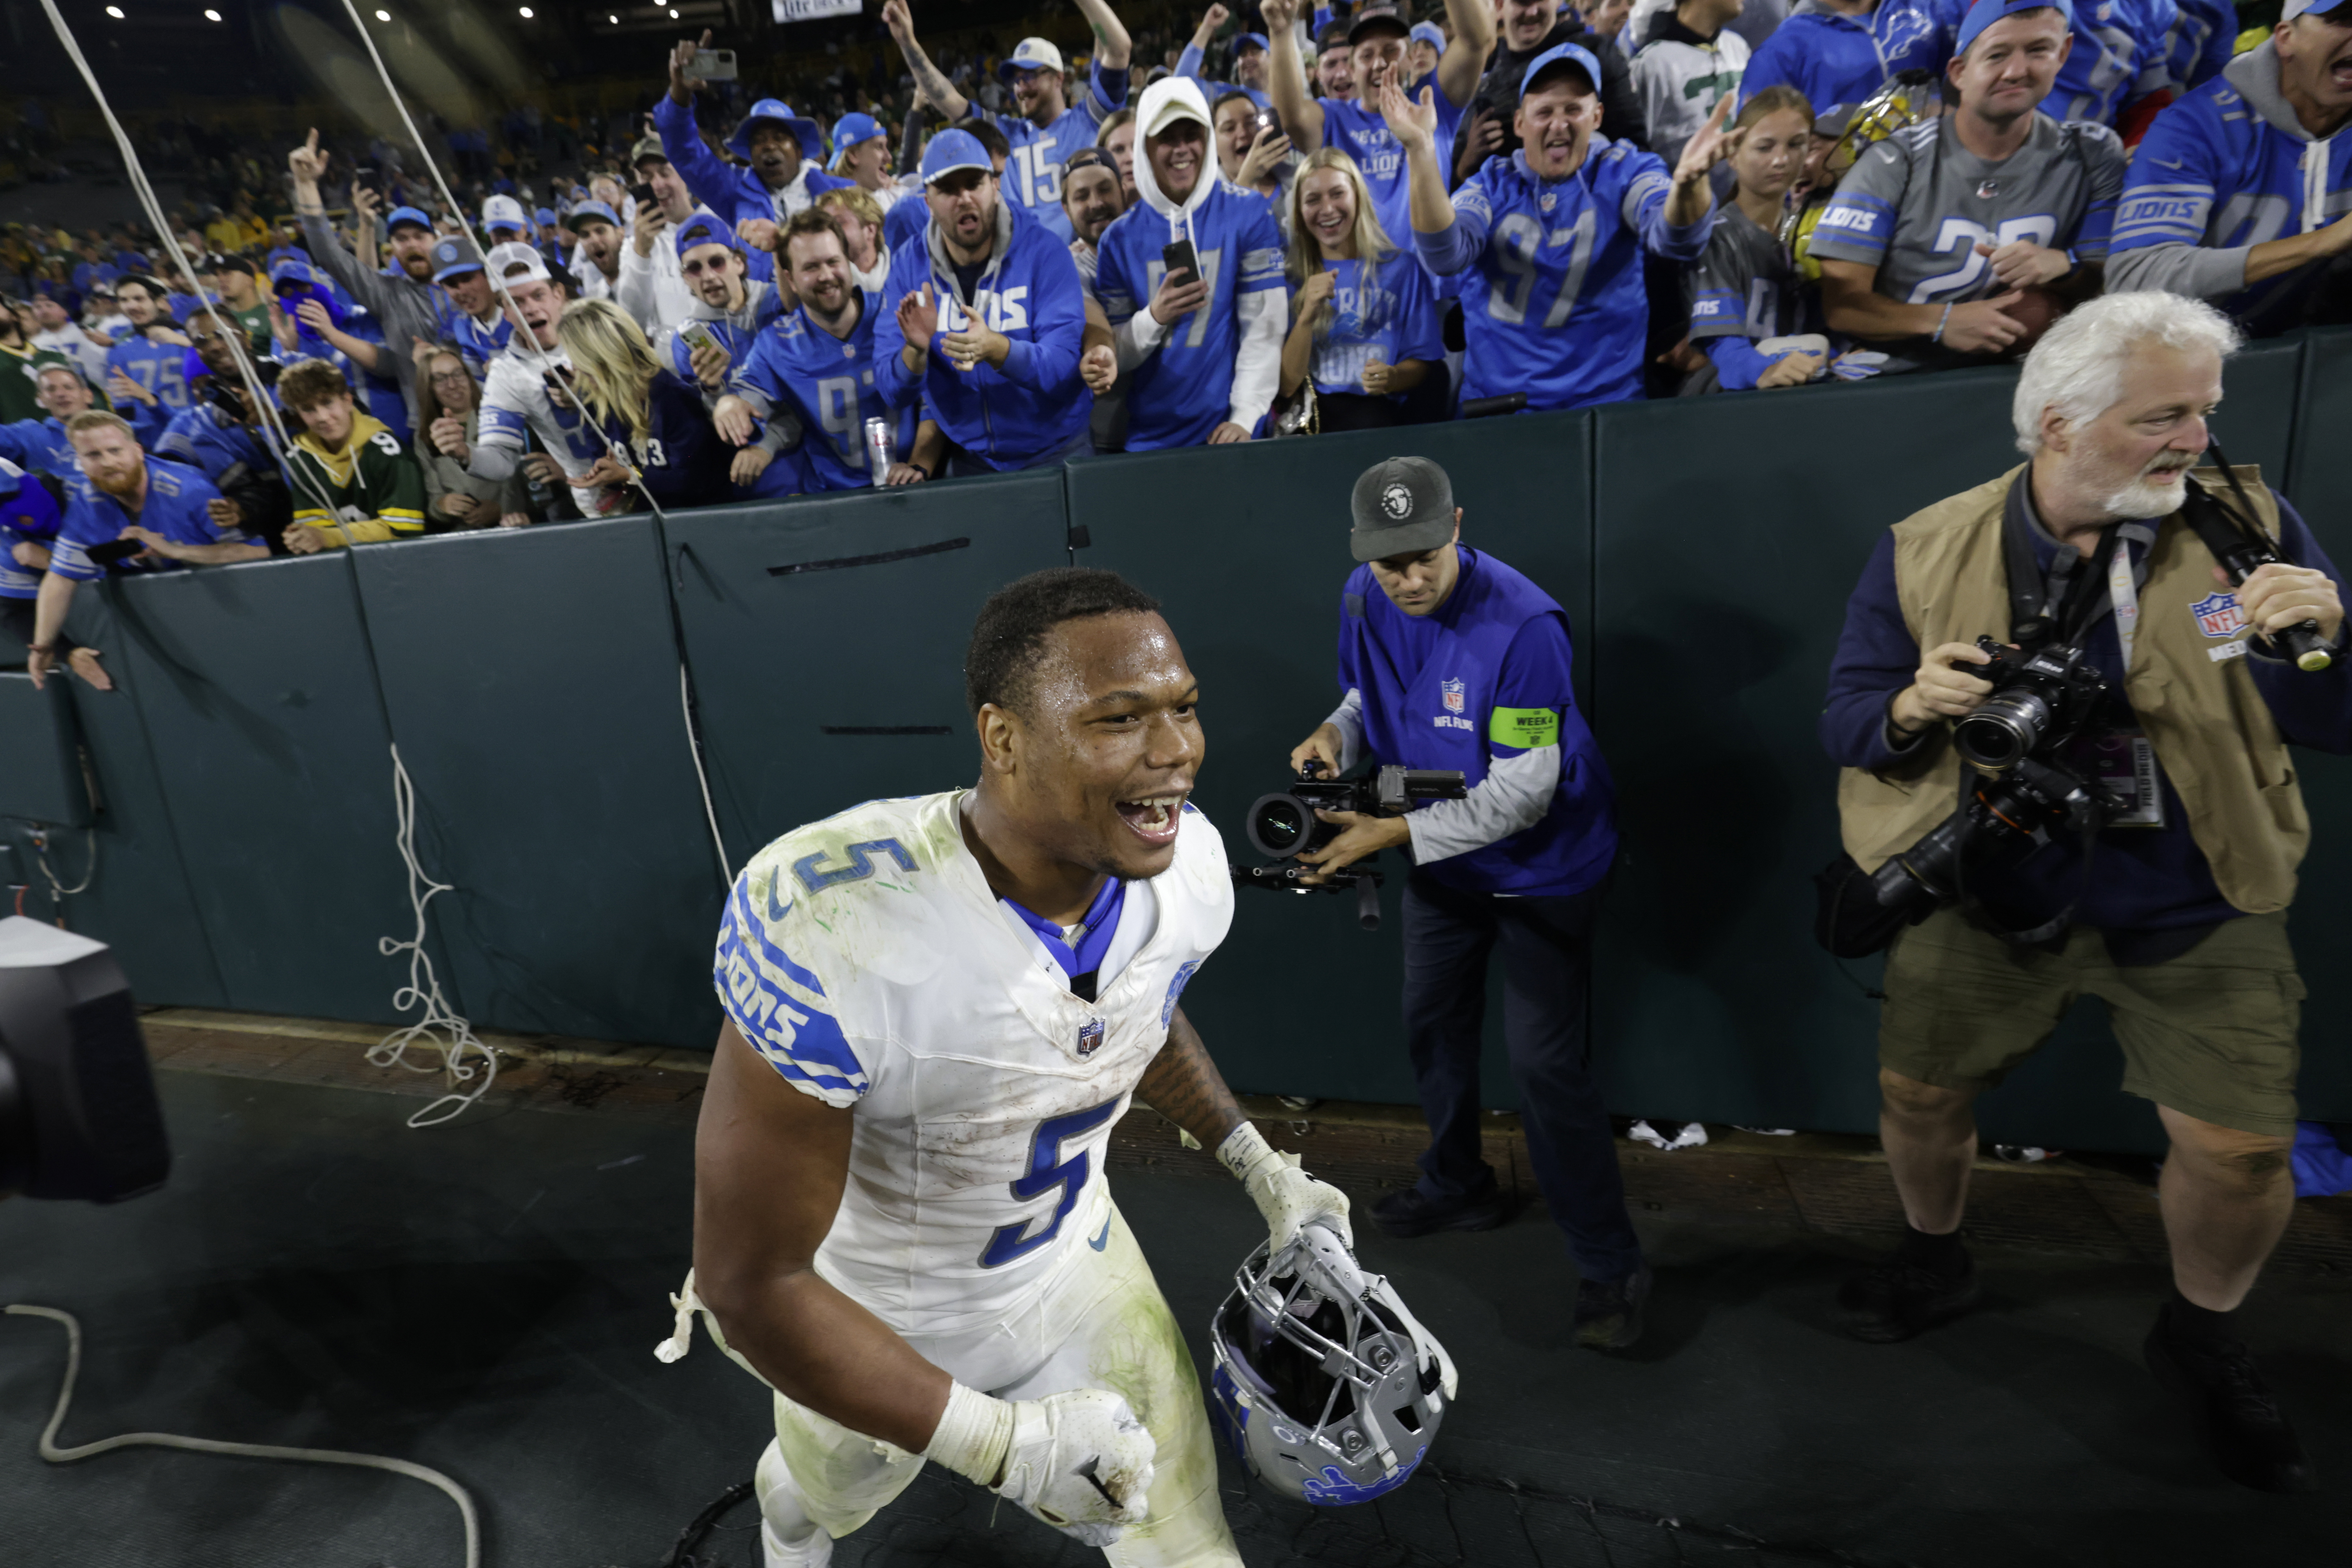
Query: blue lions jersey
<point x="161" y="369"/>
<point x="904" y="220"/>
<point x="174" y="508"/>
<point x="2213" y="176"/>
<point x="1363" y="135"/>
<point x="2199" y="43"/>
<point x="204" y="439"/>
<point x="28" y="515"/>
<point x="40" y="446"/>
<point x="2119" y="57"/>
<point x="1553" y="302"/>
<point x="737" y="333"/>
<point x="1032" y="174"/>
<point x="1389" y="310"/>
<point x="1184" y="390"/>
<point x="1836" y="59"/>
<point x="477" y="345"/>
<point x="829" y="381"/>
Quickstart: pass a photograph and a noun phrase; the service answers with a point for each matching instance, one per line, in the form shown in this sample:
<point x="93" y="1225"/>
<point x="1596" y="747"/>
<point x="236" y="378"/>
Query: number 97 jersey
<point x="866" y="960"/>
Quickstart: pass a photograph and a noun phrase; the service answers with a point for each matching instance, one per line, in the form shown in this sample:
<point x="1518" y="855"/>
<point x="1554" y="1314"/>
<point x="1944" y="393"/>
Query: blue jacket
<point x="40" y="444"/>
<point x="735" y="195"/>
<point x="28" y="515"/>
<point x="1833" y="58"/>
<point x="1453" y="688"/>
<point x="1035" y="405"/>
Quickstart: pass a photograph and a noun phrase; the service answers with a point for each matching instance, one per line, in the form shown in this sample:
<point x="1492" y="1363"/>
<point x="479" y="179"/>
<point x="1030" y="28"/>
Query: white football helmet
<point x="1328" y="1388"/>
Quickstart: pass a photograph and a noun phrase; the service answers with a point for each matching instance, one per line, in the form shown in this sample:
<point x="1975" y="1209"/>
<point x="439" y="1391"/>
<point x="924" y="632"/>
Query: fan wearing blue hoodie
<point x="983" y="320"/>
<point x="786" y="152"/>
<point x="1839" y="52"/>
<point x="730" y="309"/>
<point x="2237" y="195"/>
<point x="1199" y="349"/>
<point x="1048" y="128"/>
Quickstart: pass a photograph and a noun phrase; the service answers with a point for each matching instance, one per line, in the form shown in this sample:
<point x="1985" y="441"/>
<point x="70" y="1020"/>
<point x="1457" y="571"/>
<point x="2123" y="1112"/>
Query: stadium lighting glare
<point x="673" y="13"/>
<point x="524" y="12"/>
<point x="115" y="11"/>
<point x="212" y="16"/>
<point x="384" y="15"/>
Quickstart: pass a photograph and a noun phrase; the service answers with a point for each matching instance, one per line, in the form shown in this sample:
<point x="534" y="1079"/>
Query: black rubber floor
<point x="484" y="1299"/>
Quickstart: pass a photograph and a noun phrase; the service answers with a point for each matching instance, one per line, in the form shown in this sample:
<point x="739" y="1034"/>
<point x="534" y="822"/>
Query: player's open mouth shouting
<point x="1153" y="819"/>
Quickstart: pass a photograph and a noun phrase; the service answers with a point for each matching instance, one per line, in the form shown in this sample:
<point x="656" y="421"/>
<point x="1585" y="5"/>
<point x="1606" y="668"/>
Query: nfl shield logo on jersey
<point x="1452" y="690"/>
<point x="2218" y="614"/>
<point x="1988" y="189"/>
<point x="1090" y="1035"/>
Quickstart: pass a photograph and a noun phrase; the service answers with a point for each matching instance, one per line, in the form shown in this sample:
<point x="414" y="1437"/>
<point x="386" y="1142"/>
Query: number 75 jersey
<point x="866" y="961"/>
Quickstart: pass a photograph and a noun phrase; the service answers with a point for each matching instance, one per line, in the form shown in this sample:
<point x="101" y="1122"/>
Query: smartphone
<point x="642" y="193"/>
<point x="712" y="65"/>
<point x="1267" y="119"/>
<point x="696" y="334"/>
<point x="114" y="552"/>
<point x="1177" y="257"/>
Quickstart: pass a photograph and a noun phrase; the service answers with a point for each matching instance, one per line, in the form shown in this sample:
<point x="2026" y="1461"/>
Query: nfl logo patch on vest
<point x="1090" y="1035"/>
<point x="1453" y="692"/>
<point x="2218" y="615"/>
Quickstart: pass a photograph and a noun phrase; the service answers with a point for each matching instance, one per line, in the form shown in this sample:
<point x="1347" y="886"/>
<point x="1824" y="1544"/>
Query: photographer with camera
<point x="2129" y="825"/>
<point x="1449" y="660"/>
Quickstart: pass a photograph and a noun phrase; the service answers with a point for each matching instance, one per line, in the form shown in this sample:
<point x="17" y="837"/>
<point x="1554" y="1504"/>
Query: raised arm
<point x="1113" y="47"/>
<point x="929" y="80"/>
<point x="708" y="179"/>
<point x="1285" y="76"/>
<point x="1464" y="60"/>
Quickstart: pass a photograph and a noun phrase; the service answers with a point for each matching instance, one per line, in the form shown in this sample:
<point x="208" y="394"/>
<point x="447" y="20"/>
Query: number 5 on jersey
<point x="1047" y="1169"/>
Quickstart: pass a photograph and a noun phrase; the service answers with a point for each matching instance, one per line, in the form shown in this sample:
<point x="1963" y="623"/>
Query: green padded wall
<point x="532" y="679"/>
<point x="140" y="901"/>
<point x="827" y="637"/>
<point x="2255" y="423"/>
<point x="259" y="697"/>
<point x="43" y="782"/>
<point x="1248" y="548"/>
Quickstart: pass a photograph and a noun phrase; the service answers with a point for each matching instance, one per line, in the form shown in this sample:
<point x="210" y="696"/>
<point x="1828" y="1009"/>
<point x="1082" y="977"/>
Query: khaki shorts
<point x="2211" y="1034"/>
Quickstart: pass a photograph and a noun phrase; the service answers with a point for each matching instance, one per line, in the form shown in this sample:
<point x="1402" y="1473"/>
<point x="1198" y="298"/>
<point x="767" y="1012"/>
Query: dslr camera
<point x="2045" y="699"/>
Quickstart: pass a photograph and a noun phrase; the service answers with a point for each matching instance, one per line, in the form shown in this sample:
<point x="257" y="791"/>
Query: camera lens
<point x="2004" y="729"/>
<point x="1281" y="826"/>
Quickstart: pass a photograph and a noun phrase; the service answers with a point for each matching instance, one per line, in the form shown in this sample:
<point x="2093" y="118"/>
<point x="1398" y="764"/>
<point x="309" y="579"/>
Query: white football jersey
<point x="865" y="958"/>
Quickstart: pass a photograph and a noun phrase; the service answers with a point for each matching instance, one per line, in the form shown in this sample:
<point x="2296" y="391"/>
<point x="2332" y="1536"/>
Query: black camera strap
<point x="2034" y="621"/>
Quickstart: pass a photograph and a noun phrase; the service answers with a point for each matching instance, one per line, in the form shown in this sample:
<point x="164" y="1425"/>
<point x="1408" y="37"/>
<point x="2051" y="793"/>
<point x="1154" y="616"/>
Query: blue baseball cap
<point x="952" y="150"/>
<point x="292" y="272"/>
<point x="545" y="217"/>
<point x="399" y="216"/>
<point x="702" y="229"/>
<point x="805" y="130"/>
<point x="586" y="211"/>
<point x="1985" y="12"/>
<point x="2294" y="8"/>
<point x="1575" y="55"/>
<point x="453" y="256"/>
<point x="1250" y="40"/>
<point x="851" y="128"/>
<point x="1429" y="33"/>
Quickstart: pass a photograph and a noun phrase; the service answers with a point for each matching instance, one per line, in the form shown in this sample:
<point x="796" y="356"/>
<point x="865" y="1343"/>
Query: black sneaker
<point x="2233" y="1409"/>
<point x="1407" y="1214"/>
<point x="1895" y="1299"/>
<point x="1609" y="1312"/>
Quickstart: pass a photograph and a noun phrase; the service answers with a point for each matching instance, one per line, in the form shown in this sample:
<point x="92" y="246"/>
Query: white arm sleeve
<point x="1257" y="365"/>
<point x="635" y="289"/>
<point x="1139" y="337"/>
<point x="1349" y="720"/>
<point x="1513" y="798"/>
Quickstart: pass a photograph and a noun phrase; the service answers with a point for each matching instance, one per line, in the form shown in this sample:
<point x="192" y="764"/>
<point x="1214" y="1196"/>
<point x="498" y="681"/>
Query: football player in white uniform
<point x="939" y="1007"/>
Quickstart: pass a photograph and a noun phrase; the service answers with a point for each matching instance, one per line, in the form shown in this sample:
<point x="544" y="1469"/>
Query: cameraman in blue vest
<point x="1450" y="659"/>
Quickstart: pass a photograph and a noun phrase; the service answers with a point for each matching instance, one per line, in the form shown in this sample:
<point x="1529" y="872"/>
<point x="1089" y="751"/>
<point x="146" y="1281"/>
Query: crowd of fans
<point x="1291" y="223"/>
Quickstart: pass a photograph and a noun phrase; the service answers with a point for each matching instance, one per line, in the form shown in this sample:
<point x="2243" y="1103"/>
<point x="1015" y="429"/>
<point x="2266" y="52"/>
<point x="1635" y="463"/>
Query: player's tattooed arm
<point x="1184" y="1086"/>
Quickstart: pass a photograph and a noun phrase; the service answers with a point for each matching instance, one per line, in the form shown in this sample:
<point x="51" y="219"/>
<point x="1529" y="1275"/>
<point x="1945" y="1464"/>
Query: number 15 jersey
<point x="866" y="959"/>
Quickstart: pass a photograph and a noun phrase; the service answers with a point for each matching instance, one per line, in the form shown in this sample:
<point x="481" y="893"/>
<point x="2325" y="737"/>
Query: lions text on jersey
<point x="866" y="959"/>
<point x="1918" y="205"/>
<point x="829" y="383"/>
<point x="1553" y="303"/>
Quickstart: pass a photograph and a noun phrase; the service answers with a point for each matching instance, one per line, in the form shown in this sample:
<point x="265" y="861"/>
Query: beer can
<point x="879" y="457"/>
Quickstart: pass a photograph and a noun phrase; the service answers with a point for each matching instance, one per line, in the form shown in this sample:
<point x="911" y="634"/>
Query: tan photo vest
<point x="2193" y="697"/>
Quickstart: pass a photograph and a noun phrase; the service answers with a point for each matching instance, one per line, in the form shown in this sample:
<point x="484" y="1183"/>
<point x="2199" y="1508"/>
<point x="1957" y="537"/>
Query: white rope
<point x="59" y="891"/>
<point x="424" y="988"/>
<point x="274" y="435"/>
<point x="694" y="749"/>
<point x="49" y="1450"/>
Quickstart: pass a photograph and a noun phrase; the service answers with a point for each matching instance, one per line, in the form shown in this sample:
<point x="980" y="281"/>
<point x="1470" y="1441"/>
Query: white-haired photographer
<point x="2131" y="826"/>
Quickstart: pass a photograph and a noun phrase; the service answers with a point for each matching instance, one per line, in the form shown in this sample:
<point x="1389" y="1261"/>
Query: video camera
<point x="1284" y="825"/>
<point x="79" y="1115"/>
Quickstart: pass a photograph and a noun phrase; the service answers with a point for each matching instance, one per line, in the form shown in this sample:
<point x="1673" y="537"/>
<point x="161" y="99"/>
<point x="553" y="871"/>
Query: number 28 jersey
<point x="865" y="958"/>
